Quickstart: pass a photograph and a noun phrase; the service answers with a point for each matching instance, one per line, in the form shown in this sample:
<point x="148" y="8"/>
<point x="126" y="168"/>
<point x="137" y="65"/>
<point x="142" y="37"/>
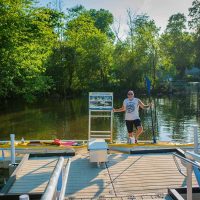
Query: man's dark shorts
<point x="130" y="123"/>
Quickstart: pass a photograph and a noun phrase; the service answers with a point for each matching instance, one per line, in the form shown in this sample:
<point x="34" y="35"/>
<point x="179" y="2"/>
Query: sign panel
<point x="100" y="100"/>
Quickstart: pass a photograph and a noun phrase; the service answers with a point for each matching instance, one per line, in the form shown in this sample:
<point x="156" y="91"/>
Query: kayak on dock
<point x="79" y="144"/>
<point x="40" y="143"/>
<point x="61" y="143"/>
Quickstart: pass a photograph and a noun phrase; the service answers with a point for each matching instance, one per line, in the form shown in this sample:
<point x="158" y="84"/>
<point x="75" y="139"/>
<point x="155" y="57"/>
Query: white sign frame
<point x="100" y="101"/>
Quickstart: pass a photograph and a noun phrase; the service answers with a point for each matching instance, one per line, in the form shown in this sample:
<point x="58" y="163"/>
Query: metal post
<point x="12" y="138"/>
<point x="111" y="127"/>
<point x="51" y="189"/>
<point x="89" y="125"/>
<point x="196" y="143"/>
<point x="65" y="178"/>
<point x="189" y="181"/>
<point x="60" y="182"/>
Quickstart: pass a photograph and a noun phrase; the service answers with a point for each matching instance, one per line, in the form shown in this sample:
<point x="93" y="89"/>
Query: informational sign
<point x="100" y="100"/>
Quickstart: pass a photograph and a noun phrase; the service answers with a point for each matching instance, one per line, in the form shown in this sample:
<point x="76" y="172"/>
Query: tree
<point x="138" y="52"/>
<point x="176" y="24"/>
<point x="194" y="23"/>
<point x="26" y="39"/>
<point x="176" y="46"/>
<point x="83" y="59"/>
<point x="91" y="53"/>
<point x="103" y="19"/>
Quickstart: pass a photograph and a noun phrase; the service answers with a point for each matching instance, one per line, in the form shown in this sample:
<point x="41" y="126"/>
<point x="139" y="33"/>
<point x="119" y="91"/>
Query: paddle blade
<point x="148" y="85"/>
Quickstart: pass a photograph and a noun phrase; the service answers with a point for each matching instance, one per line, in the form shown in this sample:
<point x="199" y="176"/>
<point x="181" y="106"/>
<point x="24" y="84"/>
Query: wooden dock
<point x="33" y="173"/>
<point x="33" y="176"/>
<point x="124" y="177"/>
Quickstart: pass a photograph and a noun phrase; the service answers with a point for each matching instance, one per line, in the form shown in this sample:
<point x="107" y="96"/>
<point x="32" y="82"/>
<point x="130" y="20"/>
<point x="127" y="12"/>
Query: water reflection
<point x="68" y="119"/>
<point x="4" y="175"/>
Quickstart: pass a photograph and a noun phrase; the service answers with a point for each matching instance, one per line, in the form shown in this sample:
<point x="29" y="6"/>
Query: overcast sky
<point x="158" y="10"/>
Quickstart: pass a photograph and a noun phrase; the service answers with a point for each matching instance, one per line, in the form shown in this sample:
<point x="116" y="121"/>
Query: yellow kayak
<point x="42" y="144"/>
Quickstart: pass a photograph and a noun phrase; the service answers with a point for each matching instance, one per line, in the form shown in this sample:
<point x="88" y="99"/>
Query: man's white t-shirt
<point x="132" y="108"/>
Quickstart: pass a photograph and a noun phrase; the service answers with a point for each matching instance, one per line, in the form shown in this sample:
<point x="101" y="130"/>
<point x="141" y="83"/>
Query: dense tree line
<point x="44" y="51"/>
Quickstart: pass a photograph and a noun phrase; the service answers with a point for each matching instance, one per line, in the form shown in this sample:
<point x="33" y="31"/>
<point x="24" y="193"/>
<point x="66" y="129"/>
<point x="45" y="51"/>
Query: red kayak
<point x="68" y="143"/>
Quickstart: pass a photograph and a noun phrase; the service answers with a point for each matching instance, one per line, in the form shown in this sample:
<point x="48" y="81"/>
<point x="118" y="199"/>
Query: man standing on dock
<point x="131" y="107"/>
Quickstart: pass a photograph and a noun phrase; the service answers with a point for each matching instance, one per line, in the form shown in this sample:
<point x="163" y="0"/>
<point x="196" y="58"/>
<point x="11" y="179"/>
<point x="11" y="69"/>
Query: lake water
<point x="68" y="119"/>
<point x="4" y="175"/>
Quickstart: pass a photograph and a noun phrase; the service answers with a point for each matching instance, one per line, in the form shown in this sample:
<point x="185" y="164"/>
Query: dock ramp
<point x="32" y="175"/>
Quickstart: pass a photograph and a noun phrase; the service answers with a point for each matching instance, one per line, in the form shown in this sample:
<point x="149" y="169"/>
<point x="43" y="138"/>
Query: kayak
<point x="57" y="143"/>
<point x="37" y="143"/>
<point x="67" y="143"/>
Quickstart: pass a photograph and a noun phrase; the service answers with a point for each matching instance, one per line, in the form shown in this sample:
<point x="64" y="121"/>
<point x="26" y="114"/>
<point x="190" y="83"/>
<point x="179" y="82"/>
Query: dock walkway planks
<point x="124" y="177"/>
<point x="34" y="175"/>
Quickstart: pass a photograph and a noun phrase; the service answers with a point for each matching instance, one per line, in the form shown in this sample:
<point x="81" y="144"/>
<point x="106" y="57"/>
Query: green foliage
<point x="92" y="54"/>
<point x="138" y="52"/>
<point x="43" y="51"/>
<point x="176" y="24"/>
<point x="26" y="40"/>
<point x="102" y="21"/>
<point x="194" y="13"/>
<point x="176" y="46"/>
<point x="194" y="23"/>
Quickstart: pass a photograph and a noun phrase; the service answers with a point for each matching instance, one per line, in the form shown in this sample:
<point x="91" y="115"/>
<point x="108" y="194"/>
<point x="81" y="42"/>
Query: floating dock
<point x="32" y="174"/>
<point x="124" y="176"/>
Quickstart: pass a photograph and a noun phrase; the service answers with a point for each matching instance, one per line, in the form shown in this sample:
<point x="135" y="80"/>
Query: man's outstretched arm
<point x="122" y="109"/>
<point x="143" y="106"/>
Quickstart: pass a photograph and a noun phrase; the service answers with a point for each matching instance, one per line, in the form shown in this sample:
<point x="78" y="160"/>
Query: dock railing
<point x="190" y="164"/>
<point x="191" y="160"/>
<point x="57" y="184"/>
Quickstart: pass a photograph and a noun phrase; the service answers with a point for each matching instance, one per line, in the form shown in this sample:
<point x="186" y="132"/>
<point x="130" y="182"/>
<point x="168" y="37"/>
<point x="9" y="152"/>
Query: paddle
<point x="148" y="85"/>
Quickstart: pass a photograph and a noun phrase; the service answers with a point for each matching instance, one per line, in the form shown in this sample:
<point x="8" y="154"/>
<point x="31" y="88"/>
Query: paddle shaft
<point x="152" y="123"/>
